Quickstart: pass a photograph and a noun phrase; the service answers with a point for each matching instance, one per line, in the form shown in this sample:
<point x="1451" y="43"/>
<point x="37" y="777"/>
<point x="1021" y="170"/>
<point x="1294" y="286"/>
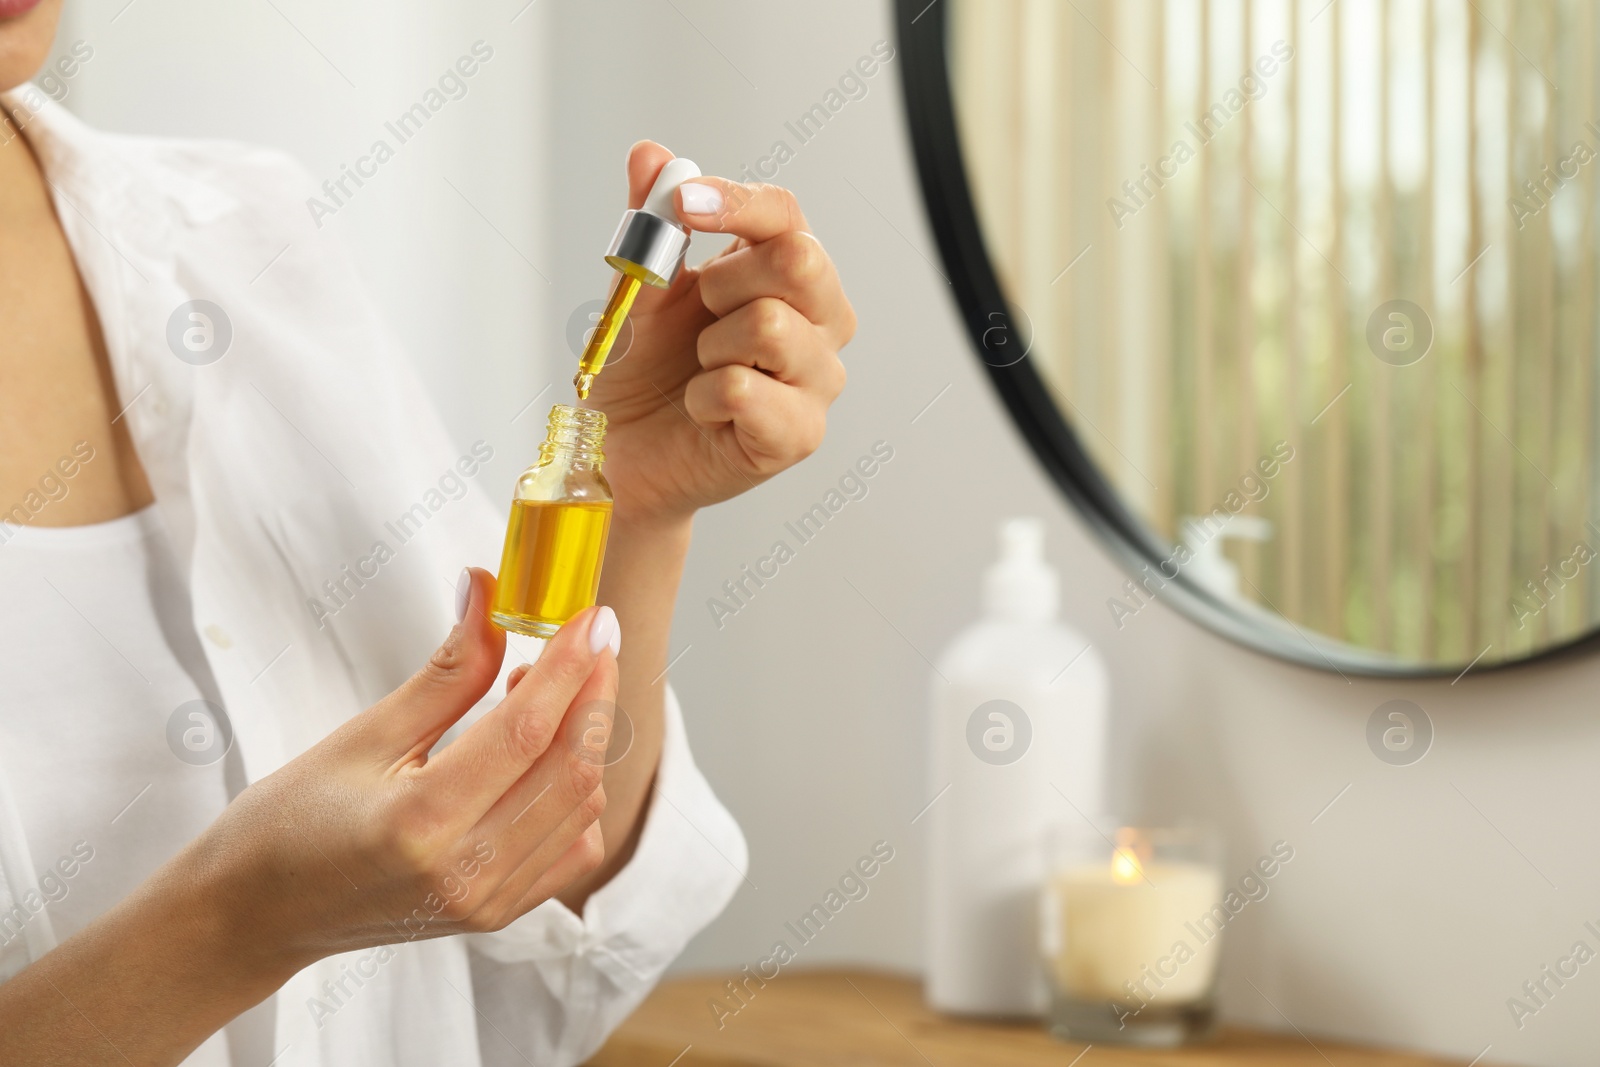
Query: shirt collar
<point x="97" y="172"/>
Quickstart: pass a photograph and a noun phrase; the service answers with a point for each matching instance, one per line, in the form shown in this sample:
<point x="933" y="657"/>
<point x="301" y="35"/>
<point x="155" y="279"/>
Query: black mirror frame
<point x="921" y="29"/>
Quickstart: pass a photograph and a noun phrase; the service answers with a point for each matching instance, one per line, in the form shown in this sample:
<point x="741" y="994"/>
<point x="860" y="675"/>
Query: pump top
<point x="1021" y="586"/>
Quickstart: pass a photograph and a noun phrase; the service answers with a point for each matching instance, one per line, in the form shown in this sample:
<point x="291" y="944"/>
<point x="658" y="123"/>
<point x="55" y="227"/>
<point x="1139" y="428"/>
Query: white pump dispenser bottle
<point x="1018" y="741"/>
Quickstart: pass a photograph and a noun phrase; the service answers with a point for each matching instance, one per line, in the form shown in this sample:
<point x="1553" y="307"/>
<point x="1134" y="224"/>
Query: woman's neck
<point x="21" y="180"/>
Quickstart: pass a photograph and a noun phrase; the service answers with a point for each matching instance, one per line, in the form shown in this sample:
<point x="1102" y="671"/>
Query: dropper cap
<point x="649" y="243"/>
<point x="1021" y="586"/>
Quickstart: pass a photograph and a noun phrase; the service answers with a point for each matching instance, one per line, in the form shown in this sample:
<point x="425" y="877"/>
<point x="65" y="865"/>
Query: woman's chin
<point x="27" y="28"/>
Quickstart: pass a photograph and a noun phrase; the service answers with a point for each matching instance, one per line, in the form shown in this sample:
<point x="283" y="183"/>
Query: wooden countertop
<point x="867" y="1019"/>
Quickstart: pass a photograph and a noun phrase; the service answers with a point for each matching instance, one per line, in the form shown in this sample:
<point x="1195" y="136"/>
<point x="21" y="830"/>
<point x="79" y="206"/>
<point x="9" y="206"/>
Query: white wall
<point x="450" y="233"/>
<point x="1416" y="904"/>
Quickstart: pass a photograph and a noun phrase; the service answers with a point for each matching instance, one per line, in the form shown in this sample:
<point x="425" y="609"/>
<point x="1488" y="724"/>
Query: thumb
<point x="411" y="719"/>
<point x="645" y="160"/>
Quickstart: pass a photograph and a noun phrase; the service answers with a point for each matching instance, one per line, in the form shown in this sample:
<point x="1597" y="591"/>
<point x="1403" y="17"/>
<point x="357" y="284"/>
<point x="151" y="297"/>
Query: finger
<point x="792" y="267"/>
<point x="645" y="160"/>
<point x="516" y="675"/>
<point x="552" y="849"/>
<point x="773" y="337"/>
<point x="569" y="770"/>
<point x="559" y="797"/>
<point x="477" y="768"/>
<point x="754" y="212"/>
<point x="774" y="424"/>
<point x="410" y="720"/>
<point x="569" y="855"/>
<point x="582" y="858"/>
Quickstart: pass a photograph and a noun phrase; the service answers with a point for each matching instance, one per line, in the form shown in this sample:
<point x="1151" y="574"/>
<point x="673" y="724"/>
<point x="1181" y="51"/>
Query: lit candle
<point x="1121" y="932"/>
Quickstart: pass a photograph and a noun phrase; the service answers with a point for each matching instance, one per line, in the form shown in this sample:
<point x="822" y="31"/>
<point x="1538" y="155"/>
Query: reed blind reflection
<point x="1190" y="307"/>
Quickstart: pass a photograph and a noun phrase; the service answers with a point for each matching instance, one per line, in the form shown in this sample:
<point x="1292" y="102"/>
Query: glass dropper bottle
<point x="561" y="509"/>
<point x="647" y="249"/>
<point x="556" y="539"/>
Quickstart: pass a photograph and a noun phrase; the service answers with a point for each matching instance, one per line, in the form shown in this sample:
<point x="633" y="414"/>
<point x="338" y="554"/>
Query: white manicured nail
<point x="700" y="199"/>
<point x="605" y="630"/>
<point x="463" y="594"/>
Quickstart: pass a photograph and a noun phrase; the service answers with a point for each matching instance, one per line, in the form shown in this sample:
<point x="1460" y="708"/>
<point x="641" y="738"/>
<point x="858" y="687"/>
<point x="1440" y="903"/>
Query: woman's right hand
<point x="366" y="839"/>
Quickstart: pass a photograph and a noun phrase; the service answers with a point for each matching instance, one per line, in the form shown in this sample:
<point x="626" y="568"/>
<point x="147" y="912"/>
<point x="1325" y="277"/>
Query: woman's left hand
<point x="731" y="370"/>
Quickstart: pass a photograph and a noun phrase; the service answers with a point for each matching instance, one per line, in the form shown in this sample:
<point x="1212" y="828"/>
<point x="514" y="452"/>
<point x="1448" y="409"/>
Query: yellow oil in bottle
<point x="550" y="570"/>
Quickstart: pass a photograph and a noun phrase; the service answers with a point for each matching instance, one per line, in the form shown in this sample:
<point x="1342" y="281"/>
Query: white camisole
<point x="103" y="681"/>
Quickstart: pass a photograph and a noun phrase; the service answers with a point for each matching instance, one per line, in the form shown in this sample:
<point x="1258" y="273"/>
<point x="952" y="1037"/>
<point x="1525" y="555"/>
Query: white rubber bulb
<point x="674" y="174"/>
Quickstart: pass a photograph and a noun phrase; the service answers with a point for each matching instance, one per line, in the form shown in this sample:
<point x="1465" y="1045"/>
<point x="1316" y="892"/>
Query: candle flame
<point x="1128" y="858"/>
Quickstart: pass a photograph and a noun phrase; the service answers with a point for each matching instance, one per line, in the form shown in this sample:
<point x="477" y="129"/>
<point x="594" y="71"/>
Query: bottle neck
<point x="575" y="437"/>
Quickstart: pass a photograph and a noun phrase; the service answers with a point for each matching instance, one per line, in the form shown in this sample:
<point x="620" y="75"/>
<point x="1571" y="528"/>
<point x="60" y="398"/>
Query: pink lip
<point x="10" y="9"/>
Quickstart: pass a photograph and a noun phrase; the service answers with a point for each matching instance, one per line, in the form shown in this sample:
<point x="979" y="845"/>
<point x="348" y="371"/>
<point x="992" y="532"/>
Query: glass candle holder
<point x="1129" y="934"/>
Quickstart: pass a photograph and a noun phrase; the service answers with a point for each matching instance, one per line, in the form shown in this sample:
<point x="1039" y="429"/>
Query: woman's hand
<point x="731" y="370"/>
<point x="727" y="381"/>
<point x="365" y="839"/>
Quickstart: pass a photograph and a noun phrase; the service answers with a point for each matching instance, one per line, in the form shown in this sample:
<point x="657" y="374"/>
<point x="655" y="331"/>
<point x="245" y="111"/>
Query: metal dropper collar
<point x="649" y="244"/>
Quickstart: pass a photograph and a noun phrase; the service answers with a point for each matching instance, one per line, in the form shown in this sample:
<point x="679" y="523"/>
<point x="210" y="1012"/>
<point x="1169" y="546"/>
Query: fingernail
<point x="463" y="593"/>
<point x="700" y="199"/>
<point x="604" y="630"/>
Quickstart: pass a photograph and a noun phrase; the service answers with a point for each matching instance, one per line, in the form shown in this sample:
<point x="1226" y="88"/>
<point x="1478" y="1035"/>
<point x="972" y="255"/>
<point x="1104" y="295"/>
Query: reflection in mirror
<point x="1314" y="283"/>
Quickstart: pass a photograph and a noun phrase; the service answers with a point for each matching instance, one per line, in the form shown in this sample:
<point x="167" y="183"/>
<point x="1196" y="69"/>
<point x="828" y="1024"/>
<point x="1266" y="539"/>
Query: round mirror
<point x="1296" y="299"/>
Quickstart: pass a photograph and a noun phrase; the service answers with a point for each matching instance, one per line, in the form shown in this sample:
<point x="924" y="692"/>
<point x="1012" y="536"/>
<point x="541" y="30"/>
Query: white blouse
<point x="286" y="441"/>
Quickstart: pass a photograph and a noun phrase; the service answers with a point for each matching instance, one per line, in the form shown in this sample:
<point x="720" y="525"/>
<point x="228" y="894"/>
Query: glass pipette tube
<point x="605" y="333"/>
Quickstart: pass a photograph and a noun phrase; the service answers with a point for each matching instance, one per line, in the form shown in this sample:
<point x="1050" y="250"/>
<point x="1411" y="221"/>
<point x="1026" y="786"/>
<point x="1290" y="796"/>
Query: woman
<point x="232" y="830"/>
